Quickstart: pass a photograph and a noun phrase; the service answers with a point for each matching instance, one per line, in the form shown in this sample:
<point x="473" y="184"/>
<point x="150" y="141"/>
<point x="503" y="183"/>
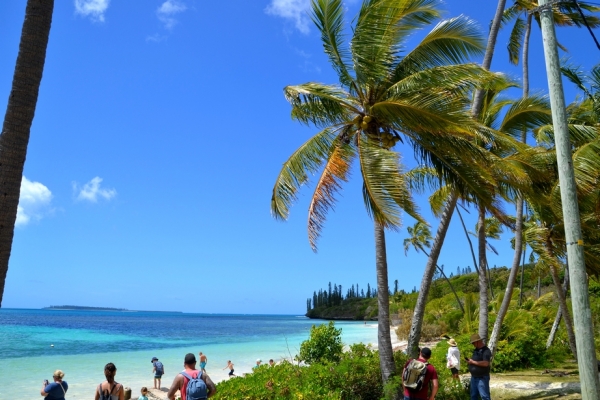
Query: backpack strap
<point x="186" y="375"/>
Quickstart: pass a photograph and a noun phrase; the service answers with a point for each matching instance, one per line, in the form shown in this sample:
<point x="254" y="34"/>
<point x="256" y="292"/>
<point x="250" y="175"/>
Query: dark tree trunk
<point x="564" y="310"/>
<point x="17" y="121"/>
<point x="384" y="341"/>
<point x="565" y="287"/>
<point x="417" y="322"/>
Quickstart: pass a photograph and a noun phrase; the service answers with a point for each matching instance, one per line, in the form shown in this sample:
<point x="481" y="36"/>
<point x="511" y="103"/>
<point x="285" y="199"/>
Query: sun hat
<point x="258" y="360"/>
<point x="452" y="343"/>
<point x="190" y="358"/>
<point x="475" y="338"/>
<point x="154" y="359"/>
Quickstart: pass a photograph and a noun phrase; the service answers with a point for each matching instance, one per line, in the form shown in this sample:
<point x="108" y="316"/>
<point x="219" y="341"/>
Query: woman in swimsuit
<point x="110" y="389"/>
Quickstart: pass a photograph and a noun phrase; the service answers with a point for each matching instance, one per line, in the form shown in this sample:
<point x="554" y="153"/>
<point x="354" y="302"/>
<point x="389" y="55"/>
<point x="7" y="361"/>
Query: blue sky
<point x="159" y="131"/>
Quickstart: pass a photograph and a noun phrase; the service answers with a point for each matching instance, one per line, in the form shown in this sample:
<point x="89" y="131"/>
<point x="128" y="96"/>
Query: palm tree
<point x="18" y="118"/>
<point x="385" y="96"/>
<point x="419" y="238"/>
<point x="446" y="215"/>
<point x="565" y="14"/>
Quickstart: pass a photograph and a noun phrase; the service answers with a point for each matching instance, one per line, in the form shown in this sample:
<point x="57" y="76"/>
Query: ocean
<point x="34" y="343"/>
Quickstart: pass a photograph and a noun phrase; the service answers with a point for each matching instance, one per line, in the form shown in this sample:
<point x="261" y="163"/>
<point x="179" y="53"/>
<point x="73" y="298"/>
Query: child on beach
<point x="144" y="395"/>
<point x="159" y="370"/>
<point x="230" y="366"/>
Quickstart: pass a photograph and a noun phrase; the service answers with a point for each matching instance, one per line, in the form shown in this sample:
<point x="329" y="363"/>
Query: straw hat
<point x="475" y="338"/>
<point x="452" y="343"/>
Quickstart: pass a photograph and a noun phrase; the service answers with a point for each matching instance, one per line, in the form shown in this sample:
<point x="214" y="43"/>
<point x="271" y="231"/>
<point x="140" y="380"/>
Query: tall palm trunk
<point x="483" y="280"/>
<point x="514" y="270"/>
<point x="384" y="341"/>
<point x="512" y="278"/>
<point x="417" y="322"/>
<point x="565" y="287"/>
<point x="564" y="310"/>
<point x="18" y="119"/>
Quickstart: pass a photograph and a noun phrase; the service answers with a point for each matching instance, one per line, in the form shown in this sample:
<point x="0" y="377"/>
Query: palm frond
<point x="515" y="41"/>
<point x="320" y="104"/>
<point x="335" y="172"/>
<point x="527" y="114"/>
<point x="385" y="190"/>
<point x="305" y="161"/>
<point x="328" y="16"/>
<point x="452" y="41"/>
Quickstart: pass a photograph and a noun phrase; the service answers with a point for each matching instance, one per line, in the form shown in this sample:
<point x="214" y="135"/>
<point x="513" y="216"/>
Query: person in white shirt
<point x="453" y="358"/>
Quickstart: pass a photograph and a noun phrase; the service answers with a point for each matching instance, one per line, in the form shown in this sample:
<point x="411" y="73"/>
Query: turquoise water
<point x="84" y="341"/>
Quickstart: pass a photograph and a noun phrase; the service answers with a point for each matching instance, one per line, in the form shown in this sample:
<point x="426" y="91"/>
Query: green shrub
<point x="324" y="344"/>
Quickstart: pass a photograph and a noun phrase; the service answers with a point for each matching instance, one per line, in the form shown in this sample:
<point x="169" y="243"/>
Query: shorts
<point x="157" y="376"/>
<point x="230" y="372"/>
<point x="454" y="371"/>
<point x="202" y="365"/>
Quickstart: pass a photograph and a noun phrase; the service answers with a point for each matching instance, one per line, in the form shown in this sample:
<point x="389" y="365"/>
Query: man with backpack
<point x="193" y="384"/>
<point x="417" y="375"/>
<point x="158" y="369"/>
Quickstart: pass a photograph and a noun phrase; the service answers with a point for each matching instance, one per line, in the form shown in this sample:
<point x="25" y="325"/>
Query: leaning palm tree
<point x="386" y="94"/>
<point x="420" y="239"/>
<point x="446" y="214"/>
<point x="18" y="119"/>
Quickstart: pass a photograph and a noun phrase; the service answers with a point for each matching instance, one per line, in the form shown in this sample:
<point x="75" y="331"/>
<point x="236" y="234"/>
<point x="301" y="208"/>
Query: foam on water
<point x="26" y="354"/>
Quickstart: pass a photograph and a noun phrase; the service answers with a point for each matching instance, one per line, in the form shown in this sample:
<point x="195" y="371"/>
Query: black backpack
<point x="159" y="368"/>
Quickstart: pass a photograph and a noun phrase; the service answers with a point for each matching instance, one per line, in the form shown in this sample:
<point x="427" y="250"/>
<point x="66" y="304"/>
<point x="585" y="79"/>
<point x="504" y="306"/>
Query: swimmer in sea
<point x="230" y="366"/>
<point x="203" y="361"/>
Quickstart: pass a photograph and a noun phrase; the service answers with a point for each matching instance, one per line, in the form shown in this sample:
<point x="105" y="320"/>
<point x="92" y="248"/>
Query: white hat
<point x="258" y="360"/>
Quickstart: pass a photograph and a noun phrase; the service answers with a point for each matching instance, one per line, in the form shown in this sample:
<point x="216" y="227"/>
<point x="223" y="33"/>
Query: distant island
<point x="85" y="308"/>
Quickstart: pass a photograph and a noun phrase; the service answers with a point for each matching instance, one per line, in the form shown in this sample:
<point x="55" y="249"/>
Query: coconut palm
<point x="18" y="119"/>
<point x="384" y="96"/>
<point x="565" y="14"/>
<point x="446" y="214"/>
<point x="419" y="238"/>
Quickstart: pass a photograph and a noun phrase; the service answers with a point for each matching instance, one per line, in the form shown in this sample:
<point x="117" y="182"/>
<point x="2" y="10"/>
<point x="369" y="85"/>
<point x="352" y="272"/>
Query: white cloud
<point x="94" y="9"/>
<point x="91" y="191"/>
<point x="34" y="200"/>
<point x="167" y="11"/>
<point x="295" y="10"/>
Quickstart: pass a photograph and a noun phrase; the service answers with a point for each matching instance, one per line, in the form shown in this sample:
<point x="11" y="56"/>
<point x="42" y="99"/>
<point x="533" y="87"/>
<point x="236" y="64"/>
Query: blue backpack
<point x="196" y="387"/>
<point x="159" y="368"/>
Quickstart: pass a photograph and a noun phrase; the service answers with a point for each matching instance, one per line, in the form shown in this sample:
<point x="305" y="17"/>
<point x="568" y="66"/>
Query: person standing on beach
<point x="430" y="376"/>
<point x="257" y="363"/>
<point x="57" y="389"/>
<point x="230" y="366"/>
<point x="453" y="358"/>
<point x="158" y="369"/>
<point x="203" y="361"/>
<point x="110" y="389"/>
<point x="271" y="363"/>
<point x="190" y="373"/>
<point x="479" y="367"/>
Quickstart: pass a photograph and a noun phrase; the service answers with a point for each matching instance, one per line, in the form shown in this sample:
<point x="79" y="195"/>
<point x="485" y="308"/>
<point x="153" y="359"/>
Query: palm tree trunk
<point x="489" y="54"/>
<point x="526" y="57"/>
<point x="483" y="284"/>
<point x="564" y="310"/>
<point x="512" y="278"/>
<point x="565" y="287"/>
<point x="384" y="341"/>
<point x="522" y="273"/>
<point x="19" y="116"/>
<point x="417" y="322"/>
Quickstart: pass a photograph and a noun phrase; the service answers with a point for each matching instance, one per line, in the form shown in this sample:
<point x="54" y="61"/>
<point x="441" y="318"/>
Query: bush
<point x="356" y="376"/>
<point x="324" y="344"/>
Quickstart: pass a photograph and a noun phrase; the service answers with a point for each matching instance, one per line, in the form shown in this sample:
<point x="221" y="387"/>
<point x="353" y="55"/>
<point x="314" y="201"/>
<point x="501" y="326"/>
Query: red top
<point x="423" y="393"/>
<point x="194" y="374"/>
